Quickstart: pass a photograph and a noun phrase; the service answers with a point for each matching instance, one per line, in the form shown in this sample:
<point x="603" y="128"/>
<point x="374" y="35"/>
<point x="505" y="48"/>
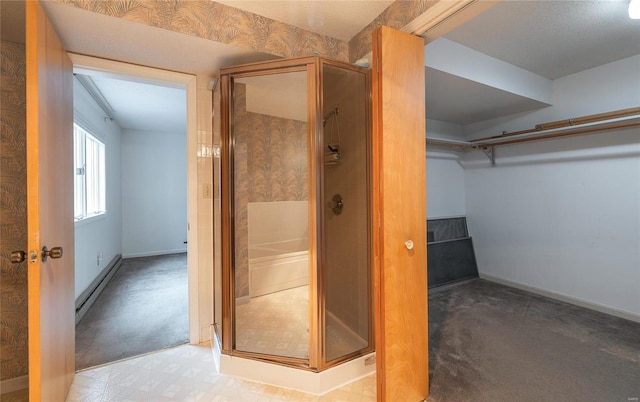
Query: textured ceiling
<point x="340" y="19"/>
<point x="553" y="38"/>
<point x="146" y="107"/>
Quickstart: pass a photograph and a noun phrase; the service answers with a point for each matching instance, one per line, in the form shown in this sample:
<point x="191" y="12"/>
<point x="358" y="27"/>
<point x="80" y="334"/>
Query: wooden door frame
<point x="199" y="327"/>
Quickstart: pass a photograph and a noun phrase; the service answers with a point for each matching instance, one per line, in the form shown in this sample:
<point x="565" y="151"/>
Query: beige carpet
<point x="493" y="343"/>
<point x="144" y="308"/>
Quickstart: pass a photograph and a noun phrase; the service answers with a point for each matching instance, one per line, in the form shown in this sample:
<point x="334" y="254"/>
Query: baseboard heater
<point x="89" y="296"/>
<point x="450" y="254"/>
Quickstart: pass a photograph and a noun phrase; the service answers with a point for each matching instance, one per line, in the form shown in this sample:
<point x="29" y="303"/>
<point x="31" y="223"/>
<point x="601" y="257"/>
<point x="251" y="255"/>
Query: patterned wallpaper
<point x="241" y="191"/>
<point x="277" y="159"/>
<point x="221" y="23"/>
<point x="397" y="15"/>
<point x="13" y="217"/>
<point x="270" y="165"/>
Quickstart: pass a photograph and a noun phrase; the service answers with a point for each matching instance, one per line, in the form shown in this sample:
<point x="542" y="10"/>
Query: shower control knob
<point x="409" y="244"/>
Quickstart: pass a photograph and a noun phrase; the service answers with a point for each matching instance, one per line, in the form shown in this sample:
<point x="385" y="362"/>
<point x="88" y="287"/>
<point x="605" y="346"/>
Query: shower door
<point x="296" y="212"/>
<point x="270" y="194"/>
<point x="345" y="224"/>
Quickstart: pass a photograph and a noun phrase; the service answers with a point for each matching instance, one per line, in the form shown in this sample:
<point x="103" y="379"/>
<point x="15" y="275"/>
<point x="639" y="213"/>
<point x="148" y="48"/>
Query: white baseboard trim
<point x="14" y="384"/>
<point x="205" y="334"/>
<point x="564" y="298"/>
<point x="216" y="348"/>
<point x="91" y="293"/>
<point x="297" y="379"/>
<point x="154" y="253"/>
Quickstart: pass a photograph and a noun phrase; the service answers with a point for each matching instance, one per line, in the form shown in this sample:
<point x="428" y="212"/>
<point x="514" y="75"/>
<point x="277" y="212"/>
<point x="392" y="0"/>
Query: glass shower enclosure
<point x="296" y="222"/>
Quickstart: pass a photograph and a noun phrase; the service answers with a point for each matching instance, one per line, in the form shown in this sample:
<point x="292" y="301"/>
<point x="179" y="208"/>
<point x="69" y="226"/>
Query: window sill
<point x="90" y="219"/>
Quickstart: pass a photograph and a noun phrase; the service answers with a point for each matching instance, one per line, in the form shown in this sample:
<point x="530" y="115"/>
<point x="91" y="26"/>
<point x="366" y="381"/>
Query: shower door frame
<point x="312" y="65"/>
<point x="370" y="187"/>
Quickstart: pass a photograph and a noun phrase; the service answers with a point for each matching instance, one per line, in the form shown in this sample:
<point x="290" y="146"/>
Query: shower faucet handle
<point x="336" y="204"/>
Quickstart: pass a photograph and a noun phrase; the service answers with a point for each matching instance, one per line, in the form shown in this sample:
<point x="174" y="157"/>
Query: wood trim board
<point x="400" y="244"/>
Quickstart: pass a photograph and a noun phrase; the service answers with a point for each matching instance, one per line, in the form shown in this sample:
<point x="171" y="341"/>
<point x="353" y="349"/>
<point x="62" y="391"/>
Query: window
<point x="89" y="183"/>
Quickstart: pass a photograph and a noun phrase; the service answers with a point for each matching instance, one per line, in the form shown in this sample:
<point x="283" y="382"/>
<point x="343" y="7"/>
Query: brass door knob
<point x="55" y="252"/>
<point x="18" y="256"/>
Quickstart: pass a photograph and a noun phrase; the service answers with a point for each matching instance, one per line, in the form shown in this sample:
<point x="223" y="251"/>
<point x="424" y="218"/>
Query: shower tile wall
<point x="13" y="171"/>
<point x="217" y="213"/>
<point x="205" y="221"/>
<point x="346" y="255"/>
<point x="270" y="157"/>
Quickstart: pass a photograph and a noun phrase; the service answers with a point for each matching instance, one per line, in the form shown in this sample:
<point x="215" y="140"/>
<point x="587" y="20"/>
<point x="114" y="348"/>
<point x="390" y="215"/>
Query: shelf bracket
<point x="490" y="152"/>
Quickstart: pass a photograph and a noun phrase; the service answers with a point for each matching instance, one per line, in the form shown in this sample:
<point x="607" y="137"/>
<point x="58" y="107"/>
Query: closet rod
<point x="592" y="118"/>
<point x="618" y="116"/>
<point x="448" y="143"/>
<point x="577" y="131"/>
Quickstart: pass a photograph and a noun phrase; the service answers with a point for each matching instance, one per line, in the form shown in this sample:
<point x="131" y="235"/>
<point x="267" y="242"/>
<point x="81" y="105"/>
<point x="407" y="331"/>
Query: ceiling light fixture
<point x="634" y="9"/>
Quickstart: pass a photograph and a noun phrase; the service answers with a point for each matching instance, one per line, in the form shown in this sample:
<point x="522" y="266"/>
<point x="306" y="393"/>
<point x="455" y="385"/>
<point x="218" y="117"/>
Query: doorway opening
<point x="136" y="262"/>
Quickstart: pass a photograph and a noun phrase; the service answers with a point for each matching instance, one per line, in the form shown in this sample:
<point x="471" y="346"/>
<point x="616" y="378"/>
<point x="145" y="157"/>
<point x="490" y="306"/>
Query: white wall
<point x="445" y="185"/>
<point x="563" y="216"/>
<point x="445" y="174"/>
<point x="445" y="130"/>
<point x="101" y="234"/>
<point x="601" y="89"/>
<point x="154" y="193"/>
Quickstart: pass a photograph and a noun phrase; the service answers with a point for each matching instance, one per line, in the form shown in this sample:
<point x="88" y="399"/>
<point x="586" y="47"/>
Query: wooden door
<point x="49" y="209"/>
<point x="400" y="267"/>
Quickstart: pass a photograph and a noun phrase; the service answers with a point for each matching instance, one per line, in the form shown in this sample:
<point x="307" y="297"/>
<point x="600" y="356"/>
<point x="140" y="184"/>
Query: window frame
<point x="89" y="191"/>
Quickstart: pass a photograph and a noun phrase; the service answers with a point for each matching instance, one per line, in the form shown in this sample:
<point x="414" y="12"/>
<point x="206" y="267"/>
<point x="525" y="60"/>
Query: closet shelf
<point x="623" y="118"/>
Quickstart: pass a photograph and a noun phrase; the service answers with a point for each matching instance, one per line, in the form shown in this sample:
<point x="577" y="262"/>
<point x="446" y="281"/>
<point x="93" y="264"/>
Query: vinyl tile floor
<point x="187" y="373"/>
<point x="278" y="322"/>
